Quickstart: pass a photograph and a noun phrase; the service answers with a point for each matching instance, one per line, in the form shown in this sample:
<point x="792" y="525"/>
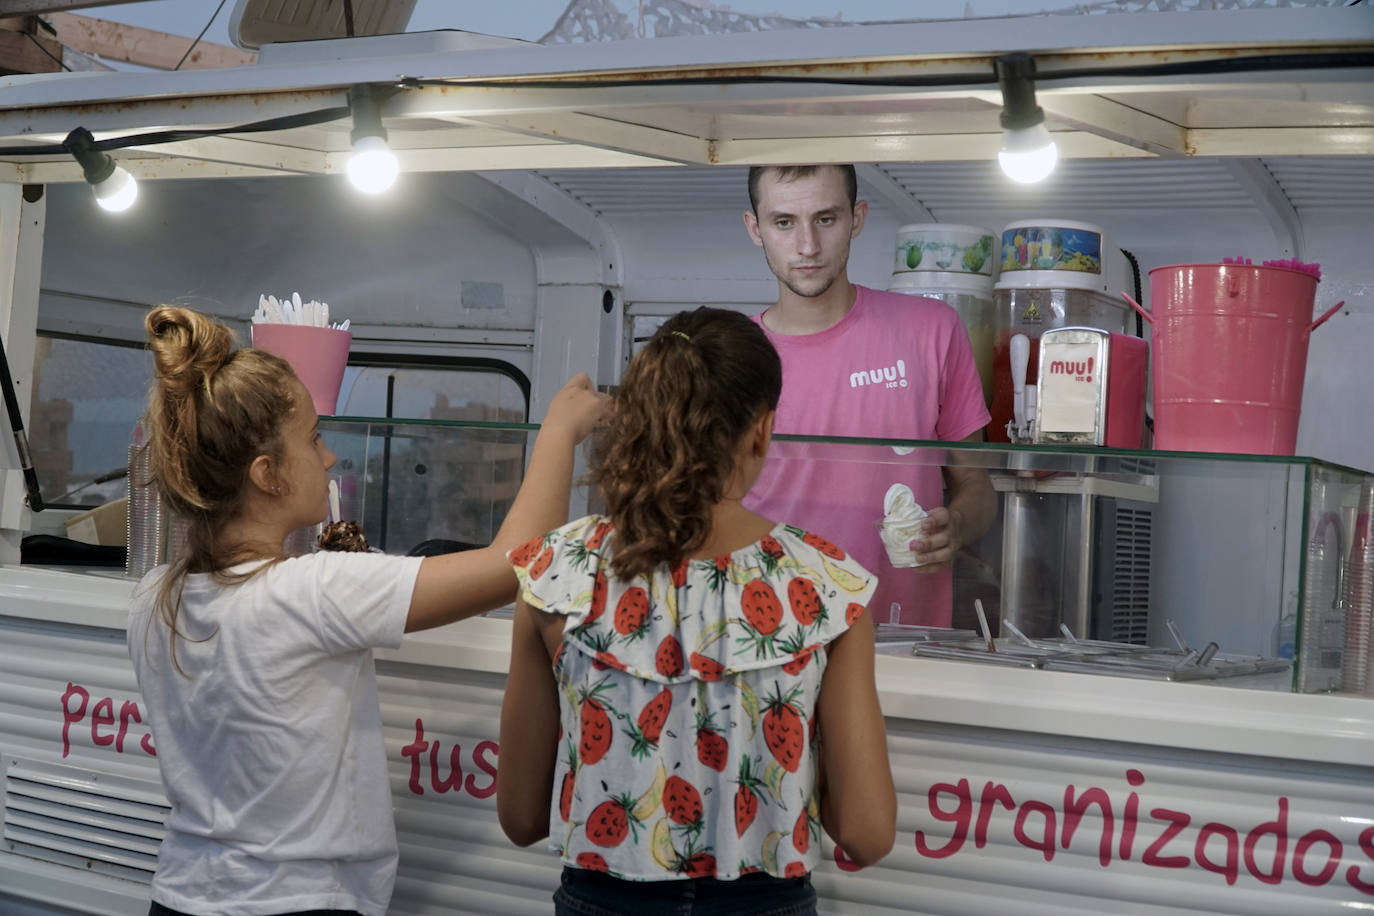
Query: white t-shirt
<point x="270" y="743"/>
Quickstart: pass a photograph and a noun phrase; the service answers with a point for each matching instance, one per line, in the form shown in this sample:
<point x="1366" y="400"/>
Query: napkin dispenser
<point x="1091" y="388"/>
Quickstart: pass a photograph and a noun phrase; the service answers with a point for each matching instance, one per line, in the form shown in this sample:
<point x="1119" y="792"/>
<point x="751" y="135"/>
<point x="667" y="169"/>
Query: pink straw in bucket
<point x="1286" y="263"/>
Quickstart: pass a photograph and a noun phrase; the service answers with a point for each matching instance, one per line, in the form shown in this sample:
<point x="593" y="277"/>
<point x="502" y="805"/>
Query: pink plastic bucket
<point x="1230" y="353"/>
<point x="317" y="354"/>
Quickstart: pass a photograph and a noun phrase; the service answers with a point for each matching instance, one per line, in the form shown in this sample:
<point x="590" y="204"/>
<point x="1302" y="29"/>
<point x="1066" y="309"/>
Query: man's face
<point x="804" y="227"/>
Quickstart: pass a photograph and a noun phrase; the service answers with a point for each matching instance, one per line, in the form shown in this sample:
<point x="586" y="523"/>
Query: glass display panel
<point x="1240" y="570"/>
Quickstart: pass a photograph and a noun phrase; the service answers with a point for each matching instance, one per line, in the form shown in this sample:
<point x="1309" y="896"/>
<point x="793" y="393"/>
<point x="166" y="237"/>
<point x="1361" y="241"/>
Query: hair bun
<point x="188" y="347"/>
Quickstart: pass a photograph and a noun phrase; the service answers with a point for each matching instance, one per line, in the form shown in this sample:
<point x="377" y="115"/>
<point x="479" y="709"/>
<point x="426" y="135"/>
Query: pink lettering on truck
<point x="479" y="781"/>
<point x="1166" y="838"/>
<point x="76" y="702"/>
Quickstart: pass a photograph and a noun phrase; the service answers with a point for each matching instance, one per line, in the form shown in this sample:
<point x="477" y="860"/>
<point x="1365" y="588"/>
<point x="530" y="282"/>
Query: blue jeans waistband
<point x="592" y="893"/>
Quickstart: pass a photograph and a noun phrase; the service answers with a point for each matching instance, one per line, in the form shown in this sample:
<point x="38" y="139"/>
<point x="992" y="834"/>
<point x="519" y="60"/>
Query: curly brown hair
<point x="684" y="404"/>
<point x="212" y="410"/>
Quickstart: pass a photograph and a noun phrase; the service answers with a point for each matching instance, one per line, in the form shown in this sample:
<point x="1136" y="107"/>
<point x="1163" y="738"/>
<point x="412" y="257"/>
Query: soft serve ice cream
<point x="901" y="524"/>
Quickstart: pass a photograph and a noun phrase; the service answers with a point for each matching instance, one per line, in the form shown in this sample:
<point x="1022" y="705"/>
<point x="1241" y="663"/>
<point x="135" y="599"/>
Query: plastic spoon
<point x="1016" y="631"/>
<point x="1178" y="637"/>
<point x="983" y="624"/>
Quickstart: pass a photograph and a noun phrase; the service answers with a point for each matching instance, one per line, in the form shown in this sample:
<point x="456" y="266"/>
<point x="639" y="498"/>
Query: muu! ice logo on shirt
<point x="887" y="376"/>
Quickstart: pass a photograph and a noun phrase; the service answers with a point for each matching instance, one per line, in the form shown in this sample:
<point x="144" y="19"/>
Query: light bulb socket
<point x="1016" y="77"/>
<point x="365" y="101"/>
<point x="95" y="165"/>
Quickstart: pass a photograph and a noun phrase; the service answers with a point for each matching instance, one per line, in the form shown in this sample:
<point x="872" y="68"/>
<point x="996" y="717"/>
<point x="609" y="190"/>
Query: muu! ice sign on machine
<point x="1091" y="388"/>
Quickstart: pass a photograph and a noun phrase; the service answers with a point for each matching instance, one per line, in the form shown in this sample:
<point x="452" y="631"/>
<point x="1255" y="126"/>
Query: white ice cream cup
<point x="901" y="524"/>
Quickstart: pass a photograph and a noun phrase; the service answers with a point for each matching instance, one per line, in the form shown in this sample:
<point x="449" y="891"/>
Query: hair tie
<point x="682" y="335"/>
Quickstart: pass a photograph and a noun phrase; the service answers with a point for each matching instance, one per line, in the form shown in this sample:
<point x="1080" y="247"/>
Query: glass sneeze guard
<point x="1246" y="558"/>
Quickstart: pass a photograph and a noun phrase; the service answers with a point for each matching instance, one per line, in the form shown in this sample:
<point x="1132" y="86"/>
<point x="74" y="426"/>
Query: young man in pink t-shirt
<point x="859" y="362"/>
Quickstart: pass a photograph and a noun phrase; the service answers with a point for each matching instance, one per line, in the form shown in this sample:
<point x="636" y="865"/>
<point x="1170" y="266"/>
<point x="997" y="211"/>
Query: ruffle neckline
<point x="770" y="603"/>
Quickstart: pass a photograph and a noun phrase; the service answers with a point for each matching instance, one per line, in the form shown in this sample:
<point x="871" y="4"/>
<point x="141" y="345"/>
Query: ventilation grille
<point x="1311" y="183"/>
<point x="628" y="192"/>
<point x="1131" y="575"/>
<point x="98" y="822"/>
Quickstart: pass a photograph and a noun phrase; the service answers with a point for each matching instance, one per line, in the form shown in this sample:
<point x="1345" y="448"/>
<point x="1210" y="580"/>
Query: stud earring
<point x="277" y="490"/>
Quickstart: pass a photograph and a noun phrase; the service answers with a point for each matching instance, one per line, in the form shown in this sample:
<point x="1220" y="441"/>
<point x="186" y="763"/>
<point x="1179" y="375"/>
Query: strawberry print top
<point x="688" y="700"/>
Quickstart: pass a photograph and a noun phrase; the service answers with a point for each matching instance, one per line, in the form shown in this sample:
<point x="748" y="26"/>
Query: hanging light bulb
<point x="372" y="168"/>
<point x="1028" y="153"/>
<point x="115" y="189"/>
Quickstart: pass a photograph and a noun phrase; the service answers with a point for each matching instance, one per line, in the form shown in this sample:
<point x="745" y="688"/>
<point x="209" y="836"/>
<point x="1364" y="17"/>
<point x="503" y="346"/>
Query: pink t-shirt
<point x="894" y="367"/>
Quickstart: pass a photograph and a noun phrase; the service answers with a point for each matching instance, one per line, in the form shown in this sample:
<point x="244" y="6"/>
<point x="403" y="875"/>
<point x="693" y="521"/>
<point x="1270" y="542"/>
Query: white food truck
<point x="554" y="203"/>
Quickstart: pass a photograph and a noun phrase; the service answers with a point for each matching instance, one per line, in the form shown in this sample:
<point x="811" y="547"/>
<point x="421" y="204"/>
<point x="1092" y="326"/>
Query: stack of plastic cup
<point x="144" y="511"/>
<point x="1359" y="594"/>
<point x="1316" y="671"/>
<point x="157" y="535"/>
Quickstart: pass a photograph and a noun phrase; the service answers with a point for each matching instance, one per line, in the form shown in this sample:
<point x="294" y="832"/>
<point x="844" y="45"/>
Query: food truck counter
<point x="1105" y="794"/>
<point x="1202" y="716"/>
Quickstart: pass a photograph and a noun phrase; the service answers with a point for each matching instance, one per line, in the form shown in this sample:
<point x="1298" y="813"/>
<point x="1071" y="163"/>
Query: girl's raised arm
<point x="858" y="800"/>
<point x="459" y="585"/>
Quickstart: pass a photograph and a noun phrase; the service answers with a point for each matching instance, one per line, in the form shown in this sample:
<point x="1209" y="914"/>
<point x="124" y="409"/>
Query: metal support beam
<point x="1272" y="201"/>
<point x="1281" y="141"/>
<point x="117" y="119"/>
<point x="905" y="148"/>
<point x="891" y="192"/>
<point x="240" y="152"/>
<point x="248" y="163"/>
<point x="490" y="158"/>
<point x="1115" y="121"/>
<point x="601" y="133"/>
<point x="460" y="100"/>
<point x="152" y="167"/>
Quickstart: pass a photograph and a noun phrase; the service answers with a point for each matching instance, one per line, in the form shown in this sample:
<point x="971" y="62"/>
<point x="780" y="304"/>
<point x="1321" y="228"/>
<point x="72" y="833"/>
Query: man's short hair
<point x="793" y="172"/>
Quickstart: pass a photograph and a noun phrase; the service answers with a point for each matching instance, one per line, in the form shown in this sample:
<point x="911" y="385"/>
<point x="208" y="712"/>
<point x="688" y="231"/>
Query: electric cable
<point x="1135" y="277"/>
<point x="200" y="36"/>
<point x="1260" y="63"/>
<point x="285" y="122"/>
<point x="1139" y="322"/>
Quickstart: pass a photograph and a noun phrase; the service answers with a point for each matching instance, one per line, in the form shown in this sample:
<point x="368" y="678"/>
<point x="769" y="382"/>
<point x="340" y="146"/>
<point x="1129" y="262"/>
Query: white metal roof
<point x="523" y="106"/>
